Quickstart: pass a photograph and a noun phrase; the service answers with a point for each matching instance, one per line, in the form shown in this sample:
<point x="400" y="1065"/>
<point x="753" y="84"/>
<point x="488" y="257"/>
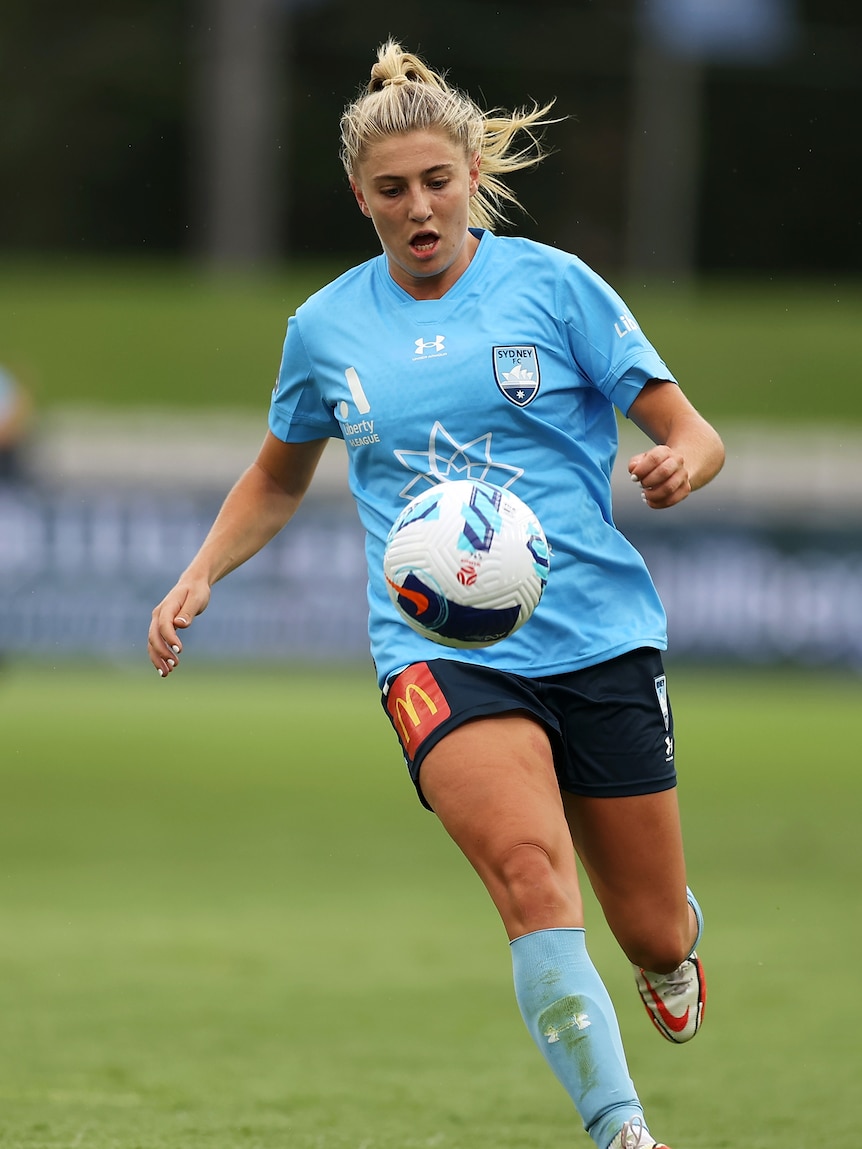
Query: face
<point x="416" y="189"/>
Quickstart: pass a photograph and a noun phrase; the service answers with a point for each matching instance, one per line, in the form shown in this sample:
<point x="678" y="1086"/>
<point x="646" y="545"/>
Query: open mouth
<point x="424" y="242"/>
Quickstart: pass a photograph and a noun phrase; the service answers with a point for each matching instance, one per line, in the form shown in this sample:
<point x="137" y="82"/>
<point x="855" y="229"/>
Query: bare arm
<point x="688" y="451"/>
<point x="261" y="502"/>
<point x="15" y="419"/>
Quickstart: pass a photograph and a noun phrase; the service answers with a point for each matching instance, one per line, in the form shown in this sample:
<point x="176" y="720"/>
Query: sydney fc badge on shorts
<point x="516" y="370"/>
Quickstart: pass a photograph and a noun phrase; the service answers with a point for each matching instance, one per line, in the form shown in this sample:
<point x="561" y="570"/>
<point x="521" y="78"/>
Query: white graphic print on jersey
<point x="446" y="458"/>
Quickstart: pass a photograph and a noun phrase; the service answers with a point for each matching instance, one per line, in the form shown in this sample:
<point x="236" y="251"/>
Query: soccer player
<point x="15" y="416"/>
<point x="453" y="354"/>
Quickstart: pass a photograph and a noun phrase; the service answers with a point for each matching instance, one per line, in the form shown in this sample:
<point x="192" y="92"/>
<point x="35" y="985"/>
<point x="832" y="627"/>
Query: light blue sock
<point x="698" y="913"/>
<point x="570" y="1017"/>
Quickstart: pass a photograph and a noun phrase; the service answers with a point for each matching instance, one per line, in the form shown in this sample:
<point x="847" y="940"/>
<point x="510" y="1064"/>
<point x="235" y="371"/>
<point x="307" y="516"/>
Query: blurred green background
<point x="222" y="929"/>
<point x="123" y="335"/>
<point x="694" y="136"/>
<point x="170" y="186"/>
<point x="225" y="920"/>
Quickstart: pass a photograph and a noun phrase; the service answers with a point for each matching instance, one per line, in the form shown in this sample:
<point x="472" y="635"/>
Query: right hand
<point x="176" y="611"/>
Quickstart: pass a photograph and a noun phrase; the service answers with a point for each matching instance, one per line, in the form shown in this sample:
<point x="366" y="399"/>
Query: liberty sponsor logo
<point x="516" y="372"/>
<point x="366" y="427"/>
<point x="624" y="325"/>
<point x="361" y="433"/>
<point x="357" y="394"/>
<point x="430" y="348"/>
<point x="416" y="705"/>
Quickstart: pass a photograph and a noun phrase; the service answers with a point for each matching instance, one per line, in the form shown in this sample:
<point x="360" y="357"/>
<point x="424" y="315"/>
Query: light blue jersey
<point x="511" y="377"/>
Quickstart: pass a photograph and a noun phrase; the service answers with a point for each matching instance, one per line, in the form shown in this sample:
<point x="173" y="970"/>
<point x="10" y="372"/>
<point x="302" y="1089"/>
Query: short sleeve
<point x="298" y="412"/>
<point x="606" y="342"/>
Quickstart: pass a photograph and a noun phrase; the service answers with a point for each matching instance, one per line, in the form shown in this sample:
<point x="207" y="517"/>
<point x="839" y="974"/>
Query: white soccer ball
<point x="466" y="563"/>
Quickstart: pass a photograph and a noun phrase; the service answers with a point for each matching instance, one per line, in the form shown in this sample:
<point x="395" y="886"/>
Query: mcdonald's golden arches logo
<point x="416" y="706"/>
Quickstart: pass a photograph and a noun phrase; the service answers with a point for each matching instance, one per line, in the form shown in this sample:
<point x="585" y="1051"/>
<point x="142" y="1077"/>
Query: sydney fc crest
<point x="516" y="370"/>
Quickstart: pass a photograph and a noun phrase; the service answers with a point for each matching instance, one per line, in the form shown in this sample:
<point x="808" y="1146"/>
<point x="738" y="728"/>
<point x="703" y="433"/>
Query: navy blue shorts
<point x="610" y="725"/>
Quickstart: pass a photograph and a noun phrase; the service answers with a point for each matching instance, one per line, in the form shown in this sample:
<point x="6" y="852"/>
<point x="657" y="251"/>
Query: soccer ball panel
<point x="466" y="563"/>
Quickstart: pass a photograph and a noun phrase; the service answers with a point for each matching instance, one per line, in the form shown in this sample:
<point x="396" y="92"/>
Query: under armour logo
<point x="577" y="1021"/>
<point x="437" y="345"/>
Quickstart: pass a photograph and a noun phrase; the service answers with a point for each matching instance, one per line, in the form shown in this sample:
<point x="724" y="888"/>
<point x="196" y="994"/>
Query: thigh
<point x="491" y="782"/>
<point x="632" y="851"/>
<point x="429" y="700"/>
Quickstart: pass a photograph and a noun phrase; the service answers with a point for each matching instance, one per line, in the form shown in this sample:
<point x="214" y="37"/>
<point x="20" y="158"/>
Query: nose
<point x="420" y="210"/>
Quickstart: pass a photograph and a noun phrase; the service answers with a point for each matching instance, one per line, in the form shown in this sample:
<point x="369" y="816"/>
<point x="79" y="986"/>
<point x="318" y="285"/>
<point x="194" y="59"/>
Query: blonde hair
<point x="405" y="95"/>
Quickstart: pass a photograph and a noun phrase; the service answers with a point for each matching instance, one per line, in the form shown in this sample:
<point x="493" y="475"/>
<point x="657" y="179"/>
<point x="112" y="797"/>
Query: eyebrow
<point x="427" y="172"/>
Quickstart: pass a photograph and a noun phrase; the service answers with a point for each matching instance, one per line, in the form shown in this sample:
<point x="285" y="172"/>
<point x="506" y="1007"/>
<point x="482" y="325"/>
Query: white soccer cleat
<point x="675" y="1001"/>
<point x="635" y="1135"/>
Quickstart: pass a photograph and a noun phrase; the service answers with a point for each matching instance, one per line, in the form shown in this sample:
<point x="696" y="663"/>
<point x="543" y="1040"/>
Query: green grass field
<point x="159" y="334"/>
<point x="226" y="922"/>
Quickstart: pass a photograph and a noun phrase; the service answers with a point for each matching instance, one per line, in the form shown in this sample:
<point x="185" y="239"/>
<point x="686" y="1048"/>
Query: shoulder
<point x="540" y="264"/>
<point x="350" y="284"/>
<point x="512" y="248"/>
<point x="559" y="282"/>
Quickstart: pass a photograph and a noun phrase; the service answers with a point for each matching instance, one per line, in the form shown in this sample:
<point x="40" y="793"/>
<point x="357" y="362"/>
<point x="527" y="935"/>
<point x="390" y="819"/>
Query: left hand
<point x="688" y="451"/>
<point x="663" y="476"/>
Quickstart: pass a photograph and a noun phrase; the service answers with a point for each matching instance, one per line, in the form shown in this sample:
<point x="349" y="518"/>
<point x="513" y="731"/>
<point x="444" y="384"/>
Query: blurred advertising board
<point x="81" y="570"/>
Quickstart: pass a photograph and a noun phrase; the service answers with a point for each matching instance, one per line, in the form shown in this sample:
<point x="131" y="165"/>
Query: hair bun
<point x="407" y="95"/>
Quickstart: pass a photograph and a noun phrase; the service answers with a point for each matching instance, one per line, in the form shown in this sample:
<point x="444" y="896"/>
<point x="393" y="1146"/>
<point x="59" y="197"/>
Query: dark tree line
<point x="104" y="127"/>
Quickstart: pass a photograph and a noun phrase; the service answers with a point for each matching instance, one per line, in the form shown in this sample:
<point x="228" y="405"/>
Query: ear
<point x="360" y="198"/>
<point x="475" y="164"/>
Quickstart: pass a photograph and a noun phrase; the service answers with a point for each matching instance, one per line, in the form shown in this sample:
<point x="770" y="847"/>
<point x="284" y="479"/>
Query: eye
<point x="390" y="193"/>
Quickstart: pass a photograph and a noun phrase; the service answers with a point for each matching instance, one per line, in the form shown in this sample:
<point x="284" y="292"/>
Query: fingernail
<point x="175" y="649"/>
<point x="171" y="662"/>
<point x="633" y="477"/>
<point x="161" y="673"/>
<point x="185" y="621"/>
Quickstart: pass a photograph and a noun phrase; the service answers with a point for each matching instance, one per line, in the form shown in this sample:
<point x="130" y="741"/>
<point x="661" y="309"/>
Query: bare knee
<point x="536" y="893"/>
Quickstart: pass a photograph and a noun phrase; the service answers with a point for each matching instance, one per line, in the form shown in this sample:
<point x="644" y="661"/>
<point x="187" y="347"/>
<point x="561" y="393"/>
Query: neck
<point x="436" y="286"/>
